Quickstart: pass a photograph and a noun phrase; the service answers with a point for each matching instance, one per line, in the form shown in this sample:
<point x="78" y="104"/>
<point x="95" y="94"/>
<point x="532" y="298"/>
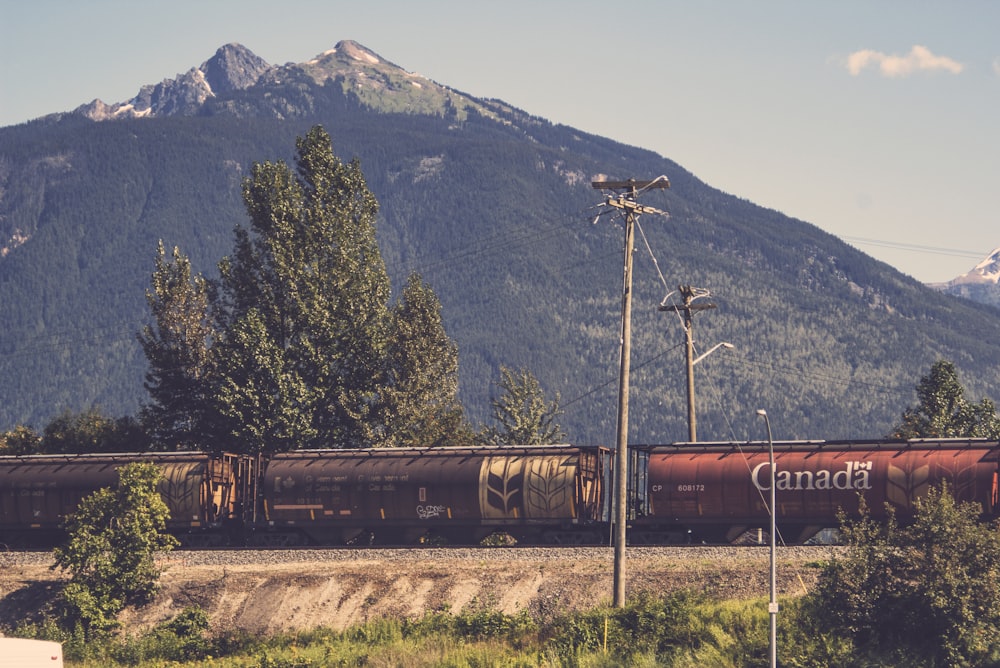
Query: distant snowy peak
<point x="982" y="284"/>
<point x="987" y="271"/>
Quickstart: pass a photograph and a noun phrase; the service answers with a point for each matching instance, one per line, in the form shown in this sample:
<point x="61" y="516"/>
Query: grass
<point x="676" y="630"/>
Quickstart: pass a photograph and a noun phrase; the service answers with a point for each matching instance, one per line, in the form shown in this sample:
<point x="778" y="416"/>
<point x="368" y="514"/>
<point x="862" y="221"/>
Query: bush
<point x="180" y="639"/>
<point x="649" y="625"/>
<point x="112" y="540"/>
<point x="924" y="595"/>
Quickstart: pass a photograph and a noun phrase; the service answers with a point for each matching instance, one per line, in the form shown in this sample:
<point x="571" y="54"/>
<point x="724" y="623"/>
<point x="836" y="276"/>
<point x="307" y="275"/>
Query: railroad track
<point x="638" y="555"/>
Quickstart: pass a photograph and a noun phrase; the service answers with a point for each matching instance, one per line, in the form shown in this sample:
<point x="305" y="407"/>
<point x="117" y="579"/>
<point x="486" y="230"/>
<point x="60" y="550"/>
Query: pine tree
<point x="296" y="346"/>
<point x="521" y="412"/>
<point x="423" y="408"/>
<point x="178" y="350"/>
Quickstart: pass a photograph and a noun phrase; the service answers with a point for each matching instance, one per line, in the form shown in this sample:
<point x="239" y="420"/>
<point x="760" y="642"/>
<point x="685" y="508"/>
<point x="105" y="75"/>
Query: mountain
<point x="349" y="66"/>
<point x="232" y="68"/>
<point x="980" y="284"/>
<point x="494" y="208"/>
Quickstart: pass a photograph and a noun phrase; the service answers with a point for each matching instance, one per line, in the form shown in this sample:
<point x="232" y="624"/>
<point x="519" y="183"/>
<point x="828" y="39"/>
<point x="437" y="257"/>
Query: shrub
<point x="923" y="595"/>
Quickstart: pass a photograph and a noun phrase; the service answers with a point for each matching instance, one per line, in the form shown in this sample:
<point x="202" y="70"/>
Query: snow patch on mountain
<point x="987" y="271"/>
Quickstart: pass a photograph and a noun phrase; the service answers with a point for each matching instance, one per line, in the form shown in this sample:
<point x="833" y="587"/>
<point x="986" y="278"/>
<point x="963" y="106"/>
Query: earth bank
<point x="263" y="592"/>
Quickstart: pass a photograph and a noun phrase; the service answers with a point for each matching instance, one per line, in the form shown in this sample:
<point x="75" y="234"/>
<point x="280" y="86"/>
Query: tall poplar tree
<point x="423" y="408"/>
<point x="308" y="283"/>
<point x="262" y="403"/>
<point x="178" y="349"/>
<point x="296" y="346"/>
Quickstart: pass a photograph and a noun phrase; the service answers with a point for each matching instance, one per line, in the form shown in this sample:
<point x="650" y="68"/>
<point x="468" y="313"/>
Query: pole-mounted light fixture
<point x="772" y="608"/>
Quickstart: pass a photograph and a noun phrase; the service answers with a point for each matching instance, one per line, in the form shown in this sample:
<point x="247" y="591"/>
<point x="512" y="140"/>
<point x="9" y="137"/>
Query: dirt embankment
<point x="270" y="592"/>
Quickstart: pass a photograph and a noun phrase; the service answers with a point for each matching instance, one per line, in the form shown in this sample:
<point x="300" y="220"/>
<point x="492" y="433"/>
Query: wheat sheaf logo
<point x="549" y="487"/>
<point x="181" y="489"/>
<point x="501" y="487"/>
<point x="533" y="487"/>
<point x="904" y="486"/>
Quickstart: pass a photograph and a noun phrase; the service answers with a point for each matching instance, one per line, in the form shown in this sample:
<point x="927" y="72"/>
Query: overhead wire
<point x="915" y="247"/>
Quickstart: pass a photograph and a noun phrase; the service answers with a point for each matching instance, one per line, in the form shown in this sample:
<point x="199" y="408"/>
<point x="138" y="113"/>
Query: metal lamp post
<point x="772" y="607"/>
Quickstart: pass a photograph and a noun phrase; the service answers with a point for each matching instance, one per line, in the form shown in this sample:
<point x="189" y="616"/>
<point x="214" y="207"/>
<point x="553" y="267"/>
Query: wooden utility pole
<point x="688" y="308"/>
<point x="626" y="202"/>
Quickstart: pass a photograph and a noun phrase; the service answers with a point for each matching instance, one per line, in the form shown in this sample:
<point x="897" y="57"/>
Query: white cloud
<point x="996" y="66"/>
<point x="919" y="59"/>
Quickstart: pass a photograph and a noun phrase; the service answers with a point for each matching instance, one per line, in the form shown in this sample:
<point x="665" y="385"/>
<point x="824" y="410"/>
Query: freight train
<point x="557" y="494"/>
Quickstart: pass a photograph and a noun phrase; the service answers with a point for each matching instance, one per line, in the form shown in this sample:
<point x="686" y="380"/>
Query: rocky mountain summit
<point x="356" y="70"/>
<point x="233" y="67"/>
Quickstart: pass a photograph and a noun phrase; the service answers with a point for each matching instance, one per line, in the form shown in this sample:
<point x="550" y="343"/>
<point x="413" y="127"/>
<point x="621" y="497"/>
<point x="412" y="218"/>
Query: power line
<point x="916" y="248"/>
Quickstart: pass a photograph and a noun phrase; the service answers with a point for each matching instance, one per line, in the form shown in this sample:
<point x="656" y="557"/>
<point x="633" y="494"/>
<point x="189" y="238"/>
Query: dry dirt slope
<point x="277" y="591"/>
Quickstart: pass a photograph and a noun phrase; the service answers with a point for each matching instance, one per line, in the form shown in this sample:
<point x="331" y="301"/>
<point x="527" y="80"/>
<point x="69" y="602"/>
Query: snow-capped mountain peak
<point x="987" y="271"/>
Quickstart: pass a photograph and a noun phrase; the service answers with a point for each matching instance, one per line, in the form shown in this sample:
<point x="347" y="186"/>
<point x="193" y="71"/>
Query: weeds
<point x="675" y="630"/>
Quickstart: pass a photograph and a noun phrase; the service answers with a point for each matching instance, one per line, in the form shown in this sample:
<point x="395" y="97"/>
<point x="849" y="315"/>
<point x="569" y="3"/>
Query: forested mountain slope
<point x="494" y="208"/>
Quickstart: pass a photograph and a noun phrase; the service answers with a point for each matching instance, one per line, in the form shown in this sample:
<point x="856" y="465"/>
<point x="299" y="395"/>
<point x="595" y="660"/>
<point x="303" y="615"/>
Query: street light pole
<point x="772" y="607"/>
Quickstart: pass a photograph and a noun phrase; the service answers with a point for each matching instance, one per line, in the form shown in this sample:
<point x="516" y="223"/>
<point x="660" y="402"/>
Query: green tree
<point x="20" y="440"/>
<point x="178" y="349"/>
<point x="310" y="267"/>
<point x="923" y="595"/>
<point x="944" y="412"/>
<point x="262" y="401"/>
<point x="422" y="407"/>
<point x="521" y="413"/>
<point x="112" y="540"/>
<point x="91" y="431"/>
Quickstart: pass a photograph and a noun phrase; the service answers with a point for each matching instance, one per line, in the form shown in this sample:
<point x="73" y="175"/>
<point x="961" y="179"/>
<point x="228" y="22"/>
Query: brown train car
<point x="38" y="491"/>
<point x="461" y="495"/>
<point x="717" y="492"/>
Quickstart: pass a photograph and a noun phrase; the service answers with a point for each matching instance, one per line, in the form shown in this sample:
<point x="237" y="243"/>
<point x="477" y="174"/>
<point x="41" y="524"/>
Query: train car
<point x="202" y="491"/>
<point x="554" y="494"/>
<point x="715" y="492"/>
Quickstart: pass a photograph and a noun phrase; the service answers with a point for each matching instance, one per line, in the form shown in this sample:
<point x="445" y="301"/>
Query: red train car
<point x="715" y="492"/>
<point x="402" y="495"/>
<point x="202" y="491"/>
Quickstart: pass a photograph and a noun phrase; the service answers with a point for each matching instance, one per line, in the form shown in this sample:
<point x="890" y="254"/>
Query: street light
<point x="772" y="607"/>
<point x="727" y="346"/>
<point x="692" y="419"/>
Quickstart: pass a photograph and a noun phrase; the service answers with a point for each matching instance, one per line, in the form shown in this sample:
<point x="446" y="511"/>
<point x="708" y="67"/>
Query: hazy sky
<point x="876" y="121"/>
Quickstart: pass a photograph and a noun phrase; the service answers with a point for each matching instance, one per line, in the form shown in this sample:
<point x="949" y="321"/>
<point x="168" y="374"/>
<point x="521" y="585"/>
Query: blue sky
<point x="876" y="121"/>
